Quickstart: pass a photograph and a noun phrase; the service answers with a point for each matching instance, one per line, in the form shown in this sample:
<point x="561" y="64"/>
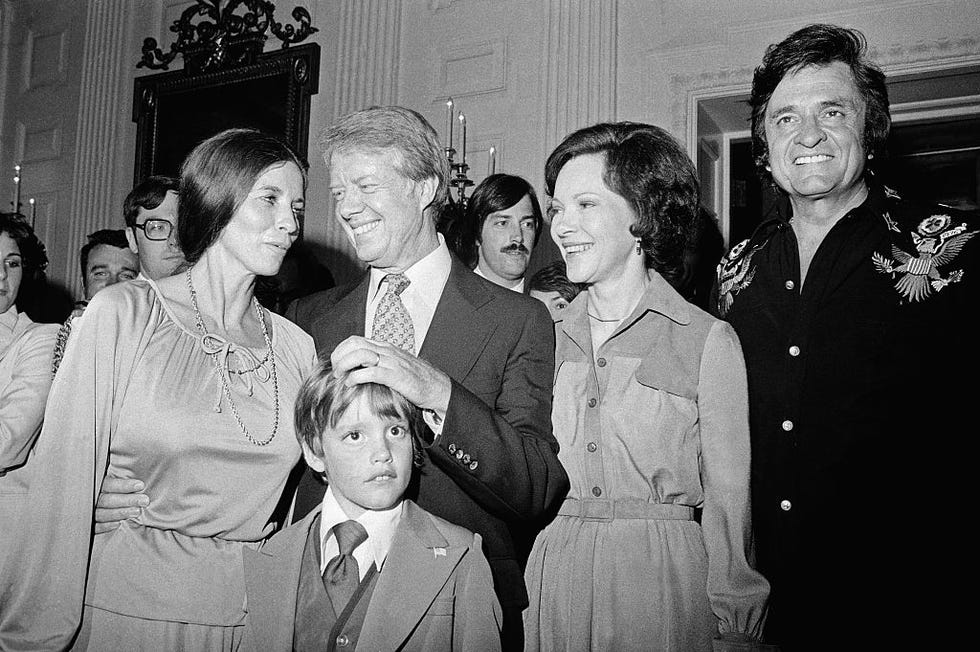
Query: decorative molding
<point x="368" y="52"/>
<point x="686" y="90"/>
<point x="217" y="34"/>
<point x="39" y="144"/>
<point x="918" y="57"/>
<point x="927" y="56"/>
<point x="951" y="107"/>
<point x="473" y="68"/>
<point x="103" y="73"/>
<point x="44" y="59"/>
<point x="580" y="84"/>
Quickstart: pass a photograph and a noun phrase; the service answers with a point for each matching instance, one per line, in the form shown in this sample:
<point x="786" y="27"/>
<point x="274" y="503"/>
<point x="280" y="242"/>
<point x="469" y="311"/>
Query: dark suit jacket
<point x="494" y="469"/>
<point x="434" y="592"/>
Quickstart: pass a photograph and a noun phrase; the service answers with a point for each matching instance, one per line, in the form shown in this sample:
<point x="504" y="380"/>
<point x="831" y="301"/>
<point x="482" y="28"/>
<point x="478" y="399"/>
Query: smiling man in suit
<point x="477" y="358"/>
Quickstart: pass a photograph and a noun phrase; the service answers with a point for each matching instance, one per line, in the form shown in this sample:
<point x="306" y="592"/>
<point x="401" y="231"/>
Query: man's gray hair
<point x="393" y="127"/>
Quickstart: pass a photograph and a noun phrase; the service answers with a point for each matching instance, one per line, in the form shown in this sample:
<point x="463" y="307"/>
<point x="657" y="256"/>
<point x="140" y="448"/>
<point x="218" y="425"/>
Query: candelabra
<point x="16" y="203"/>
<point x="457" y="177"/>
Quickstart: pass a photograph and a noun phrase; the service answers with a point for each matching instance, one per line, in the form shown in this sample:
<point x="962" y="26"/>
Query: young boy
<point x="550" y="285"/>
<point x="369" y="568"/>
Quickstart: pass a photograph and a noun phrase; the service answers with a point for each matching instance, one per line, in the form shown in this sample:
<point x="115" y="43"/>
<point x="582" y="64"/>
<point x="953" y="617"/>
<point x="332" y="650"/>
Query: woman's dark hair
<point x="32" y="251"/>
<point x="648" y="168"/>
<point x="215" y="179"/>
<point x="496" y="193"/>
<point x="34" y="259"/>
<point x="821" y="45"/>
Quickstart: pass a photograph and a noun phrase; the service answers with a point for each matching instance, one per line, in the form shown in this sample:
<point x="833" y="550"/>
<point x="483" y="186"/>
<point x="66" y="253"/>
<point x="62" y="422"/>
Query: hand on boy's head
<point x="368" y="361"/>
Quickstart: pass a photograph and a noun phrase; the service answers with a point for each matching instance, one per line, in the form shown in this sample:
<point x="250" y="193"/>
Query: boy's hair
<point x="324" y="396"/>
<point x="552" y="278"/>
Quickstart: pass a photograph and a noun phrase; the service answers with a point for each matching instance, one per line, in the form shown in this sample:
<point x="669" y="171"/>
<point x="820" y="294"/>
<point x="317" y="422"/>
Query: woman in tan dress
<point x="187" y="384"/>
<point x="650" y="549"/>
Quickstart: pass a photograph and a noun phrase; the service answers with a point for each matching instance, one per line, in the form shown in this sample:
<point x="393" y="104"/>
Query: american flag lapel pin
<point x="439" y="552"/>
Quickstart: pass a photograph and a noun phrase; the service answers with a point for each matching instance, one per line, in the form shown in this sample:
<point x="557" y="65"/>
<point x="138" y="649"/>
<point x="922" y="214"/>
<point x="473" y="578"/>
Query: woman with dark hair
<point x="650" y="549"/>
<point x="25" y="371"/>
<point x="186" y="384"/>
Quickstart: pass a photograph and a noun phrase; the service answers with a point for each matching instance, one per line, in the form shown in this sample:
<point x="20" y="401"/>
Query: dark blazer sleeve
<point x="496" y="441"/>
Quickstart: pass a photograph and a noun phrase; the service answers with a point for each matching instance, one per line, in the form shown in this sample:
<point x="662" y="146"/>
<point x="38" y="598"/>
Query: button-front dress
<point x="653" y="428"/>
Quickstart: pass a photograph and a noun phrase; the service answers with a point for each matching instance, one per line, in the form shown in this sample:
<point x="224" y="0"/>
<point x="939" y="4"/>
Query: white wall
<point x="525" y="72"/>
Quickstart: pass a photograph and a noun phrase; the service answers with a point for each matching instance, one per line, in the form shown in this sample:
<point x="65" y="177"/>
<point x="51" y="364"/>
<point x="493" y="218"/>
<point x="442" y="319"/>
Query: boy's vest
<point x="317" y="626"/>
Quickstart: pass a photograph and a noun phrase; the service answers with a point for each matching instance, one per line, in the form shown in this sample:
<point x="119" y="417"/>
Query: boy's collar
<point x="379" y="524"/>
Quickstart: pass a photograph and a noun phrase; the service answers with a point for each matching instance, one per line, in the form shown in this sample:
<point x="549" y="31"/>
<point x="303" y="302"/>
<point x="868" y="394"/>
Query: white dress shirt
<point x="379" y="524"/>
<point x="519" y="287"/>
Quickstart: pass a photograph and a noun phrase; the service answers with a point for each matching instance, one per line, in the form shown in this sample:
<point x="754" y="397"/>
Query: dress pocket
<point x="670" y="375"/>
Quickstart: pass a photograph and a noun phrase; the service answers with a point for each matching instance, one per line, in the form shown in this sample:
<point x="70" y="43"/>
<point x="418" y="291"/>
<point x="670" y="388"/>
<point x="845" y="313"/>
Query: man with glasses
<point x="150" y="211"/>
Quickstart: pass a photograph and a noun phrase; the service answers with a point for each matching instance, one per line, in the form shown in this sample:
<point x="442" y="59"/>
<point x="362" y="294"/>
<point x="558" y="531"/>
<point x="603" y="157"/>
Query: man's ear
<point x="427" y="191"/>
<point x="313" y="460"/>
<point x="131" y="239"/>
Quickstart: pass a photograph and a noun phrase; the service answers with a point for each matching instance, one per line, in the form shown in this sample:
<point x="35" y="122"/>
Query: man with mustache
<point x="500" y="228"/>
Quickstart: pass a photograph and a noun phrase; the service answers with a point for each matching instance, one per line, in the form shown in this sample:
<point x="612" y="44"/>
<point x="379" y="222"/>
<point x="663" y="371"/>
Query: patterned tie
<point x="392" y="322"/>
<point x="341" y="577"/>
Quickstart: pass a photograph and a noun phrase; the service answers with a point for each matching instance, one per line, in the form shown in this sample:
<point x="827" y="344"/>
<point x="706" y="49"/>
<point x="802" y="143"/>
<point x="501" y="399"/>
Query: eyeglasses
<point x="156" y="229"/>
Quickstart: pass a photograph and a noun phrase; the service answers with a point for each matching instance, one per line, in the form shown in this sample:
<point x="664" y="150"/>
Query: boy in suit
<point x="368" y="569"/>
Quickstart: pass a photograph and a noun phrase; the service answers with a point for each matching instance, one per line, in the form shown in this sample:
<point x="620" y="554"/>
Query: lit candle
<point x="33" y="210"/>
<point x="449" y="123"/>
<point x="17" y="188"/>
<point x="492" y="163"/>
<point x="462" y="131"/>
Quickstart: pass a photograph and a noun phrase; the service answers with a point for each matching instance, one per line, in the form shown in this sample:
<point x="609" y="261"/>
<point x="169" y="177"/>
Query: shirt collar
<point x="429" y="272"/>
<point x="9" y="319"/>
<point x="782" y="213"/>
<point x="12" y="324"/>
<point x="517" y="287"/>
<point x="659" y="297"/>
<point x="379" y="524"/>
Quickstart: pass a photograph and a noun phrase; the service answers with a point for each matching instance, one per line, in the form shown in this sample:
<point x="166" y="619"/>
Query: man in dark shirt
<point x="852" y="313"/>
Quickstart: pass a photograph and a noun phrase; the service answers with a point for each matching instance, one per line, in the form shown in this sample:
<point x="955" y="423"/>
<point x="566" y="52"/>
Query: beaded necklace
<point x="271" y="356"/>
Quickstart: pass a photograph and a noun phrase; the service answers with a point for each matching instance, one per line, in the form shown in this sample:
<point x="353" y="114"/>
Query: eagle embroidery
<point x="734" y="275"/>
<point x="937" y="245"/>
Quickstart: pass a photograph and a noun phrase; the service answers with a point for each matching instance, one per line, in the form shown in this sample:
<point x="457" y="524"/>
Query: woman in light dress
<point x="187" y="384"/>
<point x="650" y="551"/>
<point x="26" y="348"/>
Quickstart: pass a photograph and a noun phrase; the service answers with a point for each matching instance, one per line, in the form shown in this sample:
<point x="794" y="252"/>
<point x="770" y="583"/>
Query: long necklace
<point x="270" y="355"/>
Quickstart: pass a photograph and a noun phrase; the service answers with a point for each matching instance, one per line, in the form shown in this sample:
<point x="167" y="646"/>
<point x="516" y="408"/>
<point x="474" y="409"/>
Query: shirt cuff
<point x="434" y="420"/>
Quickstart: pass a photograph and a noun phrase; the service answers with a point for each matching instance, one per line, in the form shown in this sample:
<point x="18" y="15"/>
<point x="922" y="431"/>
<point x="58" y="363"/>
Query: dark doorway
<point x="936" y="161"/>
<point x="751" y="200"/>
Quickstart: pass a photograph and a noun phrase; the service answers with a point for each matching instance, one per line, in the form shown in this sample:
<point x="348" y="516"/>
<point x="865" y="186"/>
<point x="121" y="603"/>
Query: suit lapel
<point x="336" y="323"/>
<point x="419" y="563"/>
<point x="457" y="333"/>
<point x="271" y="582"/>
